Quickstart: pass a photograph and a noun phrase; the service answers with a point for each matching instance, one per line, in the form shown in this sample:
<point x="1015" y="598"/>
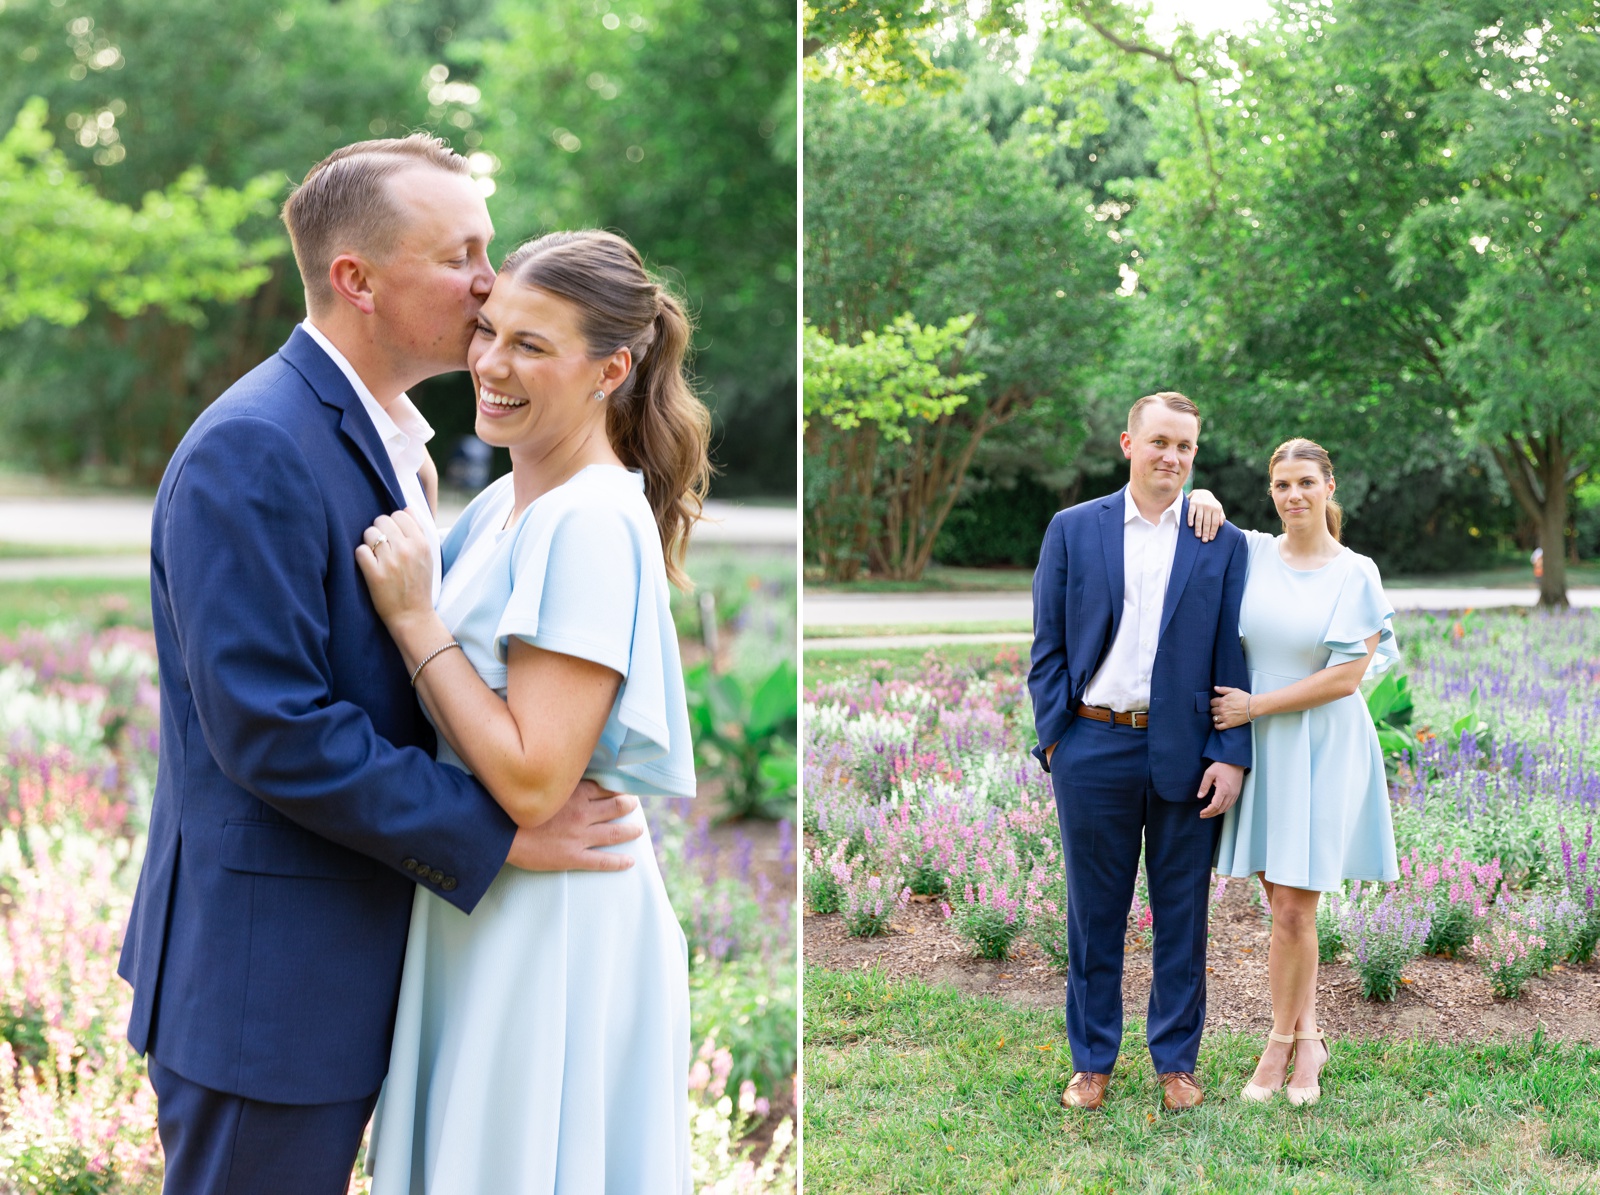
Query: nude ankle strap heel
<point x="1300" y="1096"/>
<point x="1260" y="1095"/>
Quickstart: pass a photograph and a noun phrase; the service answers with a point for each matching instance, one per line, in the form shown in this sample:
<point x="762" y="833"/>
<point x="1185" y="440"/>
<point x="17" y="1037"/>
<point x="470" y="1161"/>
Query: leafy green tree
<point x="62" y="245"/>
<point x="884" y="468"/>
<point x="1314" y="238"/>
<point x="139" y="95"/>
<point x="1512" y="92"/>
<point x="673" y="122"/>
<point x="915" y="208"/>
<point x="874" y="43"/>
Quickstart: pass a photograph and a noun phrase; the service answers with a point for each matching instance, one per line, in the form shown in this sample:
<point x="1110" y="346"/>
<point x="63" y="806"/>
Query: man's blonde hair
<point x="345" y="206"/>
<point x="1170" y="399"/>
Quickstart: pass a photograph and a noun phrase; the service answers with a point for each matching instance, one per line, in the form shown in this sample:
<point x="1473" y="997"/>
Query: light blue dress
<point x="1315" y="805"/>
<point x="542" y="1044"/>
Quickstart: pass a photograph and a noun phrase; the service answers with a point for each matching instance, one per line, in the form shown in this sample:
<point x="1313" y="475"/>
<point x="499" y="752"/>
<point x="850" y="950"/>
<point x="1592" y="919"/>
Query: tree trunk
<point x="1535" y="467"/>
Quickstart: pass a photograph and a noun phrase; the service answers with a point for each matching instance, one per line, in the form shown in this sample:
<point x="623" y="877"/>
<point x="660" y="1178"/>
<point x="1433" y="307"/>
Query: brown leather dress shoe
<point x="1180" y="1089"/>
<point x="1087" y="1090"/>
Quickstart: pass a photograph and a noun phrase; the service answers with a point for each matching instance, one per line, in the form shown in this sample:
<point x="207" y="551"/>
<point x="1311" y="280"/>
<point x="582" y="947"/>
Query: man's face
<point x="1160" y="451"/>
<point x="427" y="292"/>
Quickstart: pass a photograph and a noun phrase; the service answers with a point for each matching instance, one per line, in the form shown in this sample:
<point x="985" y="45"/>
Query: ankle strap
<point x="1309" y="1035"/>
<point x="1285" y="1038"/>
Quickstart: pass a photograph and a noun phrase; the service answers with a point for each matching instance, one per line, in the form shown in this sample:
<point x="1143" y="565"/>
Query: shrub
<point x="1456" y="893"/>
<point x="1330" y="928"/>
<point x="1044" y="905"/>
<point x="1509" y="957"/>
<point x="1383" y="936"/>
<point x="990" y="917"/>
<point x="870" y="901"/>
<point x="824" y="893"/>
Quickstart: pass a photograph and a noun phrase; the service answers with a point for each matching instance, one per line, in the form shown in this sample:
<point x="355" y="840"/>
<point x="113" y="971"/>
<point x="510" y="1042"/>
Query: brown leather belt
<point x="1138" y="719"/>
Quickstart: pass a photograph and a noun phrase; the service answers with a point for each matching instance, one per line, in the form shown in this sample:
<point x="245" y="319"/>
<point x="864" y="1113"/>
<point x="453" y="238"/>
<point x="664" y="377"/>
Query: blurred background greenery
<point x="150" y="143"/>
<point x="1369" y="222"/>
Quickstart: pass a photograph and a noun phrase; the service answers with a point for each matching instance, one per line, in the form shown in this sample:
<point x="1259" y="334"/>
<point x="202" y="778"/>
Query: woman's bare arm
<point x="529" y="750"/>
<point x="1321" y="687"/>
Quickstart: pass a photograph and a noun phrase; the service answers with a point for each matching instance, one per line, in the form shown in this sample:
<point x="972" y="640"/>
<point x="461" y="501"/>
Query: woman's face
<point x="1301" y="493"/>
<point x="531" y="368"/>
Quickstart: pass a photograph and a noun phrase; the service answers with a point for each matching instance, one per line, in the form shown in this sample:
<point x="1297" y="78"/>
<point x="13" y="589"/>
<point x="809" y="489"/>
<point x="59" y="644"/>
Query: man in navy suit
<point x="297" y="804"/>
<point x="1134" y="623"/>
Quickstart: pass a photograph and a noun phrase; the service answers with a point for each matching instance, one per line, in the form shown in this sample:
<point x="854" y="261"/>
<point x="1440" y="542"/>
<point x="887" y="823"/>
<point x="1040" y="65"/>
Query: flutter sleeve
<point x="582" y="585"/>
<point x="1361" y="610"/>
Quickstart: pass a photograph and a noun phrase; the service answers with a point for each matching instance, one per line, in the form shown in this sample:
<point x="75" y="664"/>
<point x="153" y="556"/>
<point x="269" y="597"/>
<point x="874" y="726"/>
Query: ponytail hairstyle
<point x="1310" y="450"/>
<point x="654" y="420"/>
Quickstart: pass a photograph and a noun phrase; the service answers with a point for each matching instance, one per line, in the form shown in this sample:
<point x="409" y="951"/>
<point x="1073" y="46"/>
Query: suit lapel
<point x="1111" y="520"/>
<point x="334" y="389"/>
<point x="1182" y="565"/>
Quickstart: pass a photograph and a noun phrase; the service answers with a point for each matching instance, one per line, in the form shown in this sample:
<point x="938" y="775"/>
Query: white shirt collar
<point x="1130" y="509"/>
<point x="403" y="430"/>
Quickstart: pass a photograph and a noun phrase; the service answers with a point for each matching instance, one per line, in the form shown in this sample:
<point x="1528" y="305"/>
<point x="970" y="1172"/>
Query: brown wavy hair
<point x="1309" y="450"/>
<point x="654" y="420"/>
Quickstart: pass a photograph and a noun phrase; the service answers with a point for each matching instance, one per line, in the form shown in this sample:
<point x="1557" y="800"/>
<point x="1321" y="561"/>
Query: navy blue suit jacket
<point x="1077" y="605"/>
<point x="297" y="800"/>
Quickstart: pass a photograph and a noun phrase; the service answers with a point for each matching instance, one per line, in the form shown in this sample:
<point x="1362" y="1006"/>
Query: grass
<point x="938" y="578"/>
<point x="913" y="1088"/>
<point x="11" y="550"/>
<point x="94" y="601"/>
<point x="1010" y="626"/>
<point x="883" y="663"/>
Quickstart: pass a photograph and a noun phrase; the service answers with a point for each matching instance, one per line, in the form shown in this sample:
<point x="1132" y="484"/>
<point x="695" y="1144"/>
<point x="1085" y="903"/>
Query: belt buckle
<point x="1139" y="719"/>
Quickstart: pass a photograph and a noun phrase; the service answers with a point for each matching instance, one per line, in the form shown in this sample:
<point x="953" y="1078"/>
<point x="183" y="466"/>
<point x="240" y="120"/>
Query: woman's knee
<point x="1294" y="912"/>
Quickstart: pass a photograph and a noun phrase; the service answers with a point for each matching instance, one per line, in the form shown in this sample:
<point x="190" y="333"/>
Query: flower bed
<point x="78" y="719"/>
<point x="923" y="779"/>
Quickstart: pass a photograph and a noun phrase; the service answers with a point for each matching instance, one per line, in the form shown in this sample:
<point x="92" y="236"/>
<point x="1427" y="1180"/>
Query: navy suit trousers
<point x="221" y="1144"/>
<point x="1108" y="807"/>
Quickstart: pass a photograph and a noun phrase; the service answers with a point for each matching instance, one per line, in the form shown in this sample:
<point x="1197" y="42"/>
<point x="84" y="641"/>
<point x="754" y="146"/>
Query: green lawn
<point x="93" y="601"/>
<point x="1009" y="626"/>
<point x="912" y="1088"/>
<point x="881" y="663"/>
<point x="10" y="550"/>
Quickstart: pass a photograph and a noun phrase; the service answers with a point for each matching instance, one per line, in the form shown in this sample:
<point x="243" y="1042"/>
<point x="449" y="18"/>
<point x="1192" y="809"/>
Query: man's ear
<point x="348" y="275"/>
<point x="1127" y="445"/>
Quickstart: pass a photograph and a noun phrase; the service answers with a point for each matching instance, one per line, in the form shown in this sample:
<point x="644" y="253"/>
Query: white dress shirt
<point x="1123" y="680"/>
<point x="405" y="435"/>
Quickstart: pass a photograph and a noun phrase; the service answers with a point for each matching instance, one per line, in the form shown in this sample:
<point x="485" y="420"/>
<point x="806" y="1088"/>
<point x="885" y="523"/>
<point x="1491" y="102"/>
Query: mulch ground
<point x="1442" y="999"/>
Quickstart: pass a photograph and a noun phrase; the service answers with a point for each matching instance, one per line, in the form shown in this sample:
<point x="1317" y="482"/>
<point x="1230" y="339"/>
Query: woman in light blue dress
<point x="1314" y="810"/>
<point x="541" y="1045"/>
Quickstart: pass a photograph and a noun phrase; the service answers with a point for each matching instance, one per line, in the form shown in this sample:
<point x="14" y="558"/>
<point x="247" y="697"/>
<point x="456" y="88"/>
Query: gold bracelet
<point x="435" y="652"/>
<point x="1247" y="716"/>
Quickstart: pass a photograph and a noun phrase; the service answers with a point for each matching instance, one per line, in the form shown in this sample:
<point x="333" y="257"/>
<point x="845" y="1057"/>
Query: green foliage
<point x="745" y="736"/>
<point x="915" y="208"/>
<point x="880" y="44"/>
<point x="889" y="379"/>
<point x="875" y="412"/>
<point x="142" y="93"/>
<point x="63" y="246"/>
<point x="752" y="1008"/>
<point x="672" y="121"/>
<point x="1390" y="706"/>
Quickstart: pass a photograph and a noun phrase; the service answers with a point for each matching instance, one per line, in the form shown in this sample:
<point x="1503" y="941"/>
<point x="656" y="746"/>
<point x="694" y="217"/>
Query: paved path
<point x="952" y="609"/>
<point x="117" y="530"/>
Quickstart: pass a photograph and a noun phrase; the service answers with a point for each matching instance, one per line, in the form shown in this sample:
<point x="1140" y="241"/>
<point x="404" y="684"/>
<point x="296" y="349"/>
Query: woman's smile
<point x="494" y="402"/>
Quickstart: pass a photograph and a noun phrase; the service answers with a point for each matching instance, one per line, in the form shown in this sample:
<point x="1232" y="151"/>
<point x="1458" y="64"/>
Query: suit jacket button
<point x="410" y="865"/>
<point x="448" y="883"/>
<point x="436" y="875"/>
